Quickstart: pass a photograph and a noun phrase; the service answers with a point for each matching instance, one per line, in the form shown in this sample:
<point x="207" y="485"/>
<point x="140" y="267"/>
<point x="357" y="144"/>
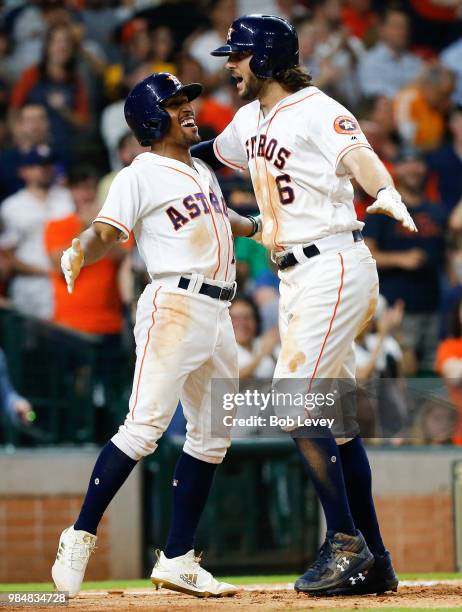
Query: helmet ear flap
<point x="157" y="126"/>
<point x="259" y="65"/>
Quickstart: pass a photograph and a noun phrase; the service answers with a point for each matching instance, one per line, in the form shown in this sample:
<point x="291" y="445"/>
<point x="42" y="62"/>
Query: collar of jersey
<point x="161" y="160"/>
<point x="287" y="100"/>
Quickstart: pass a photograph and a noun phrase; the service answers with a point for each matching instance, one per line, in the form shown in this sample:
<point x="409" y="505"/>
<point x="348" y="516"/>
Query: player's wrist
<point x="388" y="190"/>
<point x="255" y="225"/>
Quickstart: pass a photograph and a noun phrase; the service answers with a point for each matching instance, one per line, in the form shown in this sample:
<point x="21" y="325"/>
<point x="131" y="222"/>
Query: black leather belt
<point x="311" y="250"/>
<point x="213" y="291"/>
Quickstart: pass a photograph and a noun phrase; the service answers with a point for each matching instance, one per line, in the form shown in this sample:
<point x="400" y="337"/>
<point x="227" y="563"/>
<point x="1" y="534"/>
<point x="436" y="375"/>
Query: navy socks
<point x="191" y="485"/>
<point x="111" y="470"/>
<point x="322" y="462"/>
<point x="358" y="481"/>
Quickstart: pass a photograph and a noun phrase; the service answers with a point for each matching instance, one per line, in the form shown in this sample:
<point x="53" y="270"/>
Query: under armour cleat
<point x="341" y="557"/>
<point x="74" y="550"/>
<point x="184" y="574"/>
<point x="379" y="579"/>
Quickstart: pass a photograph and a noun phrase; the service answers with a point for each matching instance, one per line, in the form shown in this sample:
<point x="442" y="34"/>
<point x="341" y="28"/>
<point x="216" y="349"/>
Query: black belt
<point x="311" y="250"/>
<point x="213" y="291"/>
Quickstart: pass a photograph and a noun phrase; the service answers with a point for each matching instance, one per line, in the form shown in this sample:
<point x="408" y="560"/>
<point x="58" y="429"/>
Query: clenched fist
<point x="71" y="263"/>
<point x="389" y="203"/>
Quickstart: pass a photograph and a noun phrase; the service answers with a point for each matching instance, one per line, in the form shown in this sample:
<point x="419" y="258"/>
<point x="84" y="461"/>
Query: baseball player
<point x="183" y="330"/>
<point x="302" y="148"/>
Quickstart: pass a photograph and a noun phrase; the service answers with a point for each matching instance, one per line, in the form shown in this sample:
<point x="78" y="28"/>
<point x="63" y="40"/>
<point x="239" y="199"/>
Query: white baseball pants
<point x="183" y="340"/>
<point x="324" y="304"/>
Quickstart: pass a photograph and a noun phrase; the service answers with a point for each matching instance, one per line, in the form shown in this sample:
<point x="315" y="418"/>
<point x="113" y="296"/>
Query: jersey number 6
<point x="286" y="193"/>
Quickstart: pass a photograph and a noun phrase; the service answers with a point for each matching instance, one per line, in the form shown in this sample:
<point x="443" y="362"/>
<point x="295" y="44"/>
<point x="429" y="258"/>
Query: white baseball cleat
<point x="74" y="550"/>
<point x="185" y="574"/>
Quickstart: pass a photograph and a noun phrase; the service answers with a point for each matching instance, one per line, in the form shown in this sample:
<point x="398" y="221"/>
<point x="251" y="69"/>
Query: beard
<point x="192" y="140"/>
<point x="252" y="88"/>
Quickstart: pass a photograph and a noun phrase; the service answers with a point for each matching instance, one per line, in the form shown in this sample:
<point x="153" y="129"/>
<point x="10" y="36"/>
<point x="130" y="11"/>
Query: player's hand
<point x="389" y="203"/>
<point x="71" y="263"/>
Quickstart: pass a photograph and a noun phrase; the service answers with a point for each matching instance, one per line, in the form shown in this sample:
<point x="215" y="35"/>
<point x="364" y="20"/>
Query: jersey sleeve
<point x="229" y="149"/>
<point x="124" y="201"/>
<point x="335" y="131"/>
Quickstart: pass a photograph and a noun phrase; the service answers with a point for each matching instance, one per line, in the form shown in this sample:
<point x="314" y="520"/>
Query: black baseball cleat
<point x="379" y="579"/>
<point x="340" y="558"/>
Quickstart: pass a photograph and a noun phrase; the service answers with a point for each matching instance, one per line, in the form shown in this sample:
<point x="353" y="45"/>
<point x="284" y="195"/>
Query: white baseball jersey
<point x="294" y="156"/>
<point x="178" y="216"/>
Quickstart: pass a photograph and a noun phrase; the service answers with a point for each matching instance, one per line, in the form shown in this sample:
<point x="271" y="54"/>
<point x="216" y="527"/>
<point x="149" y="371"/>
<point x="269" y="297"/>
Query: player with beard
<point x="301" y="148"/>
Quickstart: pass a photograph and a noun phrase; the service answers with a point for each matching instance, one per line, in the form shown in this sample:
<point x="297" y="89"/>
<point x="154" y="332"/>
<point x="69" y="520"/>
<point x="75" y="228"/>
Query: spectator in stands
<point x="435" y="23"/>
<point x="23" y="217"/>
<point x="134" y="51"/>
<point x="377" y="351"/>
<point x="435" y="423"/>
<point x="449" y="364"/>
<point x="100" y="18"/>
<point x="95" y="307"/>
<point x="421" y="109"/>
<point x="410" y="264"/>
<point x="18" y="408"/>
<point x="445" y="166"/>
<point x="30" y="128"/>
<point x="380" y="357"/>
<point x="56" y="84"/>
<point x="359" y="18"/>
<point x="162" y="44"/>
<point x="220" y="13"/>
<point x="29" y="29"/>
<point x="333" y="63"/>
<point x="451" y="57"/>
<point x="128" y="148"/>
<point x="389" y="66"/>
<point x="256" y="354"/>
<point x="451" y="290"/>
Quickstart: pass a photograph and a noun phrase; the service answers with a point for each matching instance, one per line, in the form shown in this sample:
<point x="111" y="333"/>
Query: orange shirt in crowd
<point x="359" y="24"/>
<point x="95" y="306"/>
<point x="452" y="349"/>
<point x="29" y="79"/>
<point x="413" y="113"/>
<point x="214" y="114"/>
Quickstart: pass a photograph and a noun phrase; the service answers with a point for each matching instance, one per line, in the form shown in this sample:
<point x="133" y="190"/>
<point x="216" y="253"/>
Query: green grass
<point x="135" y="584"/>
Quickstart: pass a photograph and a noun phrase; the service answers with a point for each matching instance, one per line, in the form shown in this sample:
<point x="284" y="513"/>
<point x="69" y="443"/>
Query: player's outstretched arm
<point x="248" y="227"/>
<point x="374" y="178"/>
<point x="88" y="248"/>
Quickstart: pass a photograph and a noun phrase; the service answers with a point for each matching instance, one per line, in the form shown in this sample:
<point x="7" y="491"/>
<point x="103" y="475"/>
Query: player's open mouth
<point x="188" y="122"/>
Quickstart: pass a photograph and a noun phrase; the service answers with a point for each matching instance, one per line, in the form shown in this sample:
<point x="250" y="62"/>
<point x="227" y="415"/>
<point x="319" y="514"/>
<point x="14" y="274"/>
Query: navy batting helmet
<point x="144" y="110"/>
<point x="272" y="41"/>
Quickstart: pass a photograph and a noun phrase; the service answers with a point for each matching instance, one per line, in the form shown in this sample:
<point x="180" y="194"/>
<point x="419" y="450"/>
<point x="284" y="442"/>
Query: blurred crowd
<point x="66" y="67"/>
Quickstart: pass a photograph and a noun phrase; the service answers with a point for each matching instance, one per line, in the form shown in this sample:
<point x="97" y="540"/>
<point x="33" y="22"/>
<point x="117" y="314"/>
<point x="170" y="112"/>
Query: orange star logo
<point x="173" y="78"/>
